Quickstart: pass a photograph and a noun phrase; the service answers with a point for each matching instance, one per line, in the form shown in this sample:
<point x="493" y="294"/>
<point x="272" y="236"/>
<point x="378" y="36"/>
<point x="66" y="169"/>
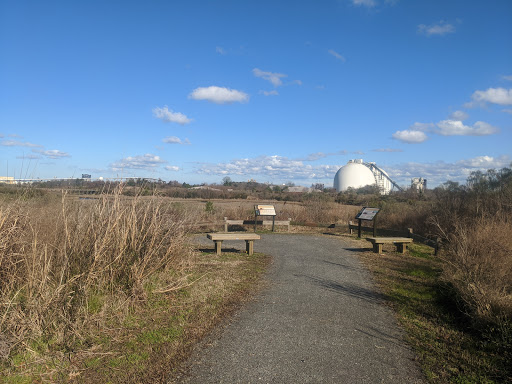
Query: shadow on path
<point x="367" y="294"/>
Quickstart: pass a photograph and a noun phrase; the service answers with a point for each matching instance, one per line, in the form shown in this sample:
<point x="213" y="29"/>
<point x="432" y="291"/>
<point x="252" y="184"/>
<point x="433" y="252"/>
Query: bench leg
<point x="377" y="248"/>
<point x="401" y="247"/>
<point x="218" y="246"/>
<point x="249" y="247"/>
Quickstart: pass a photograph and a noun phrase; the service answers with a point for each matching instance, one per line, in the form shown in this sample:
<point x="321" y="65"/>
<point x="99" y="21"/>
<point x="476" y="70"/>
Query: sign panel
<point x="265" y="210"/>
<point x="367" y="213"/>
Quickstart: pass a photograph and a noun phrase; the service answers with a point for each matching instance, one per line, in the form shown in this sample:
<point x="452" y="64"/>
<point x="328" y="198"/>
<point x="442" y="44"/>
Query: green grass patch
<point x="95" y="303"/>
<point x="420" y="250"/>
<point x="447" y="349"/>
<point x="159" y="336"/>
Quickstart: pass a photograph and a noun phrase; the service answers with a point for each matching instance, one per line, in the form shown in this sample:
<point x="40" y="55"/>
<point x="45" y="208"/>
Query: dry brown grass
<point x="68" y="266"/>
<point x="478" y="259"/>
<point x="311" y="212"/>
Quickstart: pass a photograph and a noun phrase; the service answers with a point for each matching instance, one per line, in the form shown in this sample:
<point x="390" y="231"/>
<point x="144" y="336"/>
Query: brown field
<point x="86" y="281"/>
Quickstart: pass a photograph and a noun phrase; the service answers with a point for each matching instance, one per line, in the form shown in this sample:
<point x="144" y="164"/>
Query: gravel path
<point x="320" y="320"/>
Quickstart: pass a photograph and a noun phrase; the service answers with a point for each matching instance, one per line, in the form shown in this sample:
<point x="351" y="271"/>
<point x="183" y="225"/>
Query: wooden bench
<point x="400" y="242"/>
<point x="249" y="238"/>
<point x="227" y="223"/>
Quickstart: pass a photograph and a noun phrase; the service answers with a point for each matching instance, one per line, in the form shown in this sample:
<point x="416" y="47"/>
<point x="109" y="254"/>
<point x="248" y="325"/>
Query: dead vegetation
<point x="69" y="266"/>
<point x="474" y="221"/>
<point x="79" y="278"/>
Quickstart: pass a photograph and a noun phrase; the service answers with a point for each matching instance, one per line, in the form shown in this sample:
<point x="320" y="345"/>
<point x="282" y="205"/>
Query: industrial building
<point x="7" y="179"/>
<point x="418" y="184"/>
<point x="357" y="174"/>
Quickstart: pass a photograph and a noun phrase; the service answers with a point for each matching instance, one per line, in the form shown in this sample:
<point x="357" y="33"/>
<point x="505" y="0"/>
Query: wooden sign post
<point x="368" y="214"/>
<point x="264" y="210"/>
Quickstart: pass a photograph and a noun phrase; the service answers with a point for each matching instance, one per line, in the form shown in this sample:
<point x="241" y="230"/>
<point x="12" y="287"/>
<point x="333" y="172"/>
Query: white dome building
<point x="357" y="174"/>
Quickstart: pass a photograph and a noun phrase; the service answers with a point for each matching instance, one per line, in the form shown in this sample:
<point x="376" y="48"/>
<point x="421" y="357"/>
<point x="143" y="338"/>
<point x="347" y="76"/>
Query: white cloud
<point x="275" y="167"/>
<point x="499" y="96"/>
<point x="440" y="172"/>
<point x="16" y="143"/>
<point x="440" y="29"/>
<point x="388" y="150"/>
<point x="315" y="156"/>
<point x="220" y="50"/>
<point x="170" y="116"/>
<point x="173" y="168"/>
<point x="269" y="93"/>
<point x="483" y="162"/>
<point x="321" y="155"/>
<point x="175" y="140"/>
<point x="459" y="115"/>
<point x="274" y="78"/>
<point x="425" y="127"/>
<point x="219" y="95"/>
<point x="509" y="78"/>
<point x="457" y="128"/>
<point x="449" y="127"/>
<point x="507" y="110"/>
<point x="52" y="153"/>
<point x="366" y="3"/>
<point x="337" y="55"/>
<point x="147" y="161"/>
<point x="410" y="136"/>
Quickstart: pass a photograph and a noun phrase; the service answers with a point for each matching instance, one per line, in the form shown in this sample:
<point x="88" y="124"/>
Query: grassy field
<point x="109" y="289"/>
<point x="447" y="347"/>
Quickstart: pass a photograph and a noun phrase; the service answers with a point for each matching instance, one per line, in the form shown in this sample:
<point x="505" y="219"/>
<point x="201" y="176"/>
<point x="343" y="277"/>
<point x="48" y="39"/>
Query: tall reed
<point x="65" y="262"/>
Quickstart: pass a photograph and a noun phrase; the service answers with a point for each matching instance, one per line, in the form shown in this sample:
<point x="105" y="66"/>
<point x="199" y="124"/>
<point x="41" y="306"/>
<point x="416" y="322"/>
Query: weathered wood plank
<point x="233" y="236"/>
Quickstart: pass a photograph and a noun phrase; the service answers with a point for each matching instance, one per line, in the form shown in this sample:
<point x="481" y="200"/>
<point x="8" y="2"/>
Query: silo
<point x="353" y="175"/>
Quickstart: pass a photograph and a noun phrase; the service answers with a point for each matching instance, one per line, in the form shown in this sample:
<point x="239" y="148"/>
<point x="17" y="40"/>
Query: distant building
<point x="298" y="189"/>
<point x="206" y="188"/>
<point x="7" y="179"/>
<point x="418" y="184"/>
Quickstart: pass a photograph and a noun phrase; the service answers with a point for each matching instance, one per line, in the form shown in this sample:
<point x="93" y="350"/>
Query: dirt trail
<point x="320" y="320"/>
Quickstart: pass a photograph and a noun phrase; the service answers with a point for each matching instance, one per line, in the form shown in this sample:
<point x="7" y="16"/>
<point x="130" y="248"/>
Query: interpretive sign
<point x="367" y="213"/>
<point x="264" y="210"/>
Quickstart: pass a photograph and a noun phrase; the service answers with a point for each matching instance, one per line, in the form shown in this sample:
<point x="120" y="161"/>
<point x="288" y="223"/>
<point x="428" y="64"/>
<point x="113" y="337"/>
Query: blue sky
<point x="276" y="91"/>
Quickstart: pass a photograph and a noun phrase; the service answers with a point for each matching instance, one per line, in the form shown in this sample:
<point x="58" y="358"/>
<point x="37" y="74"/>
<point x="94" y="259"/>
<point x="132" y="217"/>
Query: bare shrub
<point x="474" y="223"/>
<point x="478" y="259"/>
<point x="402" y="215"/>
<point x="319" y="211"/>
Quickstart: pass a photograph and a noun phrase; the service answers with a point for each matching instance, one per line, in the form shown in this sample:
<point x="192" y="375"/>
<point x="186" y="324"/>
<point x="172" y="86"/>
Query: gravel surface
<point x="319" y="320"/>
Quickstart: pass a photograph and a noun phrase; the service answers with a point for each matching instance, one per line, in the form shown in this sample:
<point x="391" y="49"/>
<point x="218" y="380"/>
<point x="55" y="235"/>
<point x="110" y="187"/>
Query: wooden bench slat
<point x="388" y="240"/>
<point x="233" y="236"/>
